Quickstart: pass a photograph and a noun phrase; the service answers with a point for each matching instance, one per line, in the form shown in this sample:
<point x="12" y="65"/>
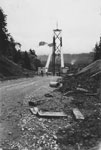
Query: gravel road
<point x="13" y="95"/>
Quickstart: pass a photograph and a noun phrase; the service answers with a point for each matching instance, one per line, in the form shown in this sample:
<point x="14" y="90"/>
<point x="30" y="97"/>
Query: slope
<point x="9" y="69"/>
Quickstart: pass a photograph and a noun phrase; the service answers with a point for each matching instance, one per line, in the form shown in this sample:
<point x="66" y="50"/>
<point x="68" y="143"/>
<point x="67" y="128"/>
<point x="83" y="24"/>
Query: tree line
<point x="97" y="51"/>
<point x="12" y="49"/>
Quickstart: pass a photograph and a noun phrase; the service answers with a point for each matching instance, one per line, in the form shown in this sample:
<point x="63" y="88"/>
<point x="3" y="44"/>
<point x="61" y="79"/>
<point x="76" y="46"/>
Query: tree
<point x="17" y="57"/>
<point x="35" y="62"/>
<point x="11" y="52"/>
<point x="97" y="51"/>
<point x="32" y="52"/>
<point x="26" y="64"/>
<point x="3" y="33"/>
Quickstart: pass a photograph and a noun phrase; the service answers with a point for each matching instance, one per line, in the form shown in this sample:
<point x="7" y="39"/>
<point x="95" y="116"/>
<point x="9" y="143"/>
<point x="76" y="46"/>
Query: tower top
<point x="57" y="24"/>
<point x="57" y="30"/>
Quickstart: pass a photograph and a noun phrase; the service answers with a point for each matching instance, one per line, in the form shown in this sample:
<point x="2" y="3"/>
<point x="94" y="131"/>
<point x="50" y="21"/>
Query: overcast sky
<point x="32" y="21"/>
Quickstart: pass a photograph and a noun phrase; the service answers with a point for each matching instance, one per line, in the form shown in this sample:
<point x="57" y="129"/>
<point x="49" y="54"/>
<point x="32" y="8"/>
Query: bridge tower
<point x="57" y="55"/>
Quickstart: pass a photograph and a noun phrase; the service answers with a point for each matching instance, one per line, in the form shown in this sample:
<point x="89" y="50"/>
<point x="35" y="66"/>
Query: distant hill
<point x="78" y="58"/>
<point x="43" y="58"/>
<point x="9" y="69"/>
<point x="72" y="58"/>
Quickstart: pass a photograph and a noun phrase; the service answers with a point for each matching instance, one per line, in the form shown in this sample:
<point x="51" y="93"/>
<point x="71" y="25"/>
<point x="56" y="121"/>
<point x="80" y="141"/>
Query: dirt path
<point x="13" y="96"/>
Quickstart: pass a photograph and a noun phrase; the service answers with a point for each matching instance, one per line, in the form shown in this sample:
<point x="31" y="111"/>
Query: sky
<point x="32" y="21"/>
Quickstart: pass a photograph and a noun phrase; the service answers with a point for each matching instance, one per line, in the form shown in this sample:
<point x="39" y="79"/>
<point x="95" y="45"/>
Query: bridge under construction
<point x="56" y="55"/>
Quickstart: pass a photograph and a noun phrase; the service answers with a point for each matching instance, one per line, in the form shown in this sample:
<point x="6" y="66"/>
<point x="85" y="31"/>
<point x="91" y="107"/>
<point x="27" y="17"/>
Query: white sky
<point x="32" y="21"/>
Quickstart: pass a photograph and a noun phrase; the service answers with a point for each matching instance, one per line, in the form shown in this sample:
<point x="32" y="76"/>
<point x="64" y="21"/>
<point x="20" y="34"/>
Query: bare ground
<point x="21" y="130"/>
<point x="16" y="121"/>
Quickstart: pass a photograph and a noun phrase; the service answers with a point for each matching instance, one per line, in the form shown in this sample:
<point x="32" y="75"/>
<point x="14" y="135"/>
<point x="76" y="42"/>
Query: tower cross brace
<point x="57" y="45"/>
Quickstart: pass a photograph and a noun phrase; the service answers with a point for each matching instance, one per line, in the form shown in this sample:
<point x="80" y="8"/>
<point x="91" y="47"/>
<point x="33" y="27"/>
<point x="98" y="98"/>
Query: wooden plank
<point x="81" y="89"/>
<point x="78" y="114"/>
<point x="52" y="114"/>
<point x="35" y="111"/>
<point x="69" y="92"/>
<point x="96" y="74"/>
<point x="100" y="90"/>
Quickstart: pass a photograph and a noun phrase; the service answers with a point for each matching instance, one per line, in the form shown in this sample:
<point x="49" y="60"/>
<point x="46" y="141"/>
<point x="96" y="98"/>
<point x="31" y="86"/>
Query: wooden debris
<point x="48" y="95"/>
<point x="59" y="80"/>
<point x="40" y="113"/>
<point x="78" y="114"/>
<point x="96" y="74"/>
<point x="34" y="110"/>
<point x="52" y="114"/>
<point x="92" y="94"/>
<point x="69" y="92"/>
<point x="34" y="103"/>
<point x="71" y="74"/>
<point x="31" y="103"/>
<point x="81" y="89"/>
<point x="100" y="90"/>
<point x="61" y="85"/>
<point x="76" y="90"/>
<point x="38" y="102"/>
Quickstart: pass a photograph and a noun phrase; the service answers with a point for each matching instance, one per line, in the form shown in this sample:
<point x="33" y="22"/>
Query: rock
<point x="22" y="129"/>
<point x="54" y="84"/>
<point x="31" y="103"/>
<point x="9" y="133"/>
<point x="40" y="148"/>
<point x="55" y="137"/>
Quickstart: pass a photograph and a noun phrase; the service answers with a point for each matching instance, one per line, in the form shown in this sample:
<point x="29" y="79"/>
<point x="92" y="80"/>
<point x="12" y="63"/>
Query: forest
<point x="10" y="51"/>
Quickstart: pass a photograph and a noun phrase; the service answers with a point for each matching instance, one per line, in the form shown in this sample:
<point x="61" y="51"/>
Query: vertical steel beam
<point x="53" y="55"/>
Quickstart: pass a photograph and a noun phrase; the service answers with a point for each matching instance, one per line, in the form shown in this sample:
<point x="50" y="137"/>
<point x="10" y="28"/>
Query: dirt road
<point x="14" y="95"/>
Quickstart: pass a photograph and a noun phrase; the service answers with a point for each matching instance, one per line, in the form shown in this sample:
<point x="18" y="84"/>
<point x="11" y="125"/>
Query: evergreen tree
<point x="26" y="64"/>
<point x="37" y="63"/>
<point x="3" y="33"/>
<point x="17" y="56"/>
<point x="32" y="52"/>
<point x="97" y="51"/>
<point x="11" y="49"/>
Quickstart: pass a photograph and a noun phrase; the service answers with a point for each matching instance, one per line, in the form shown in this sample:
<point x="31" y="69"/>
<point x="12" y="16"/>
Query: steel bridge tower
<point x="57" y="55"/>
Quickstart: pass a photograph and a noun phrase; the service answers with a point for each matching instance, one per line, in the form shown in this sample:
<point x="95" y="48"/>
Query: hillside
<point x="78" y="58"/>
<point x="9" y="69"/>
<point x="72" y="58"/>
